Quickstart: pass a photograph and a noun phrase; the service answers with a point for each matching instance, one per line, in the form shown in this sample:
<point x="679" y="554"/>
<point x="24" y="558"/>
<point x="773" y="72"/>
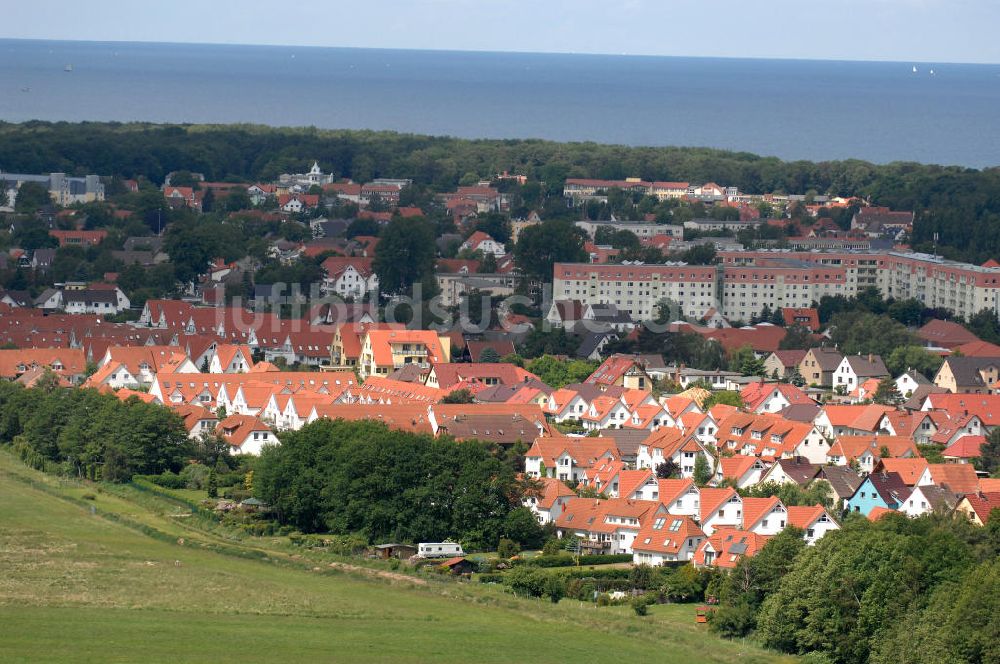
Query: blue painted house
<point x="880" y="489"/>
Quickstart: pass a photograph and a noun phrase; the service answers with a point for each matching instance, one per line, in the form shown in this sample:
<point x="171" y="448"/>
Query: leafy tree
<point x="860" y="333"/>
<point x="237" y="199"/>
<point x="541" y="246"/>
<point x="726" y="397"/>
<point x="213" y="484"/>
<point x="364" y="478"/>
<point x="887" y="394"/>
<point x="555" y="342"/>
<point x="904" y="358"/>
<point x="989" y="454"/>
<point x="508" y="548"/>
<point x="751" y="365"/>
<point x="668" y="470"/>
<point x="557" y="373"/>
<point x="554" y="587"/>
<point x="797" y="337"/>
<point x="458" y="396"/>
<point x="362" y="226"/>
<point x="489" y="355"/>
<point x="405" y="254"/>
<point x="702" y="470"/>
<point x="701" y="254"/>
<point x="495" y="225"/>
<point x="795" y="378"/>
<point x="521" y="526"/>
<point x="31" y="196"/>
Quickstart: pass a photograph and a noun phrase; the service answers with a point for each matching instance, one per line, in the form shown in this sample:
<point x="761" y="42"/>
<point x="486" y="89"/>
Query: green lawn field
<point x="77" y="586"/>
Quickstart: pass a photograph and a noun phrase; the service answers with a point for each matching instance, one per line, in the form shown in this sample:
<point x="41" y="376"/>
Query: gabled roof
<point x="551" y="490"/>
<point x="755" y="394"/>
<point x="666" y="534"/>
<point x="862" y="418"/>
<point x="828" y="359"/>
<point x="670" y="490"/>
<point x="968" y="370"/>
<point x="714" y="498"/>
<point x="854" y="447"/>
<point x="909" y="470"/>
<point x="798" y="469"/>
<point x="966" y="447"/>
<point x="805" y="316"/>
<point x="941" y="499"/>
<point x="382" y="340"/>
<point x="890" y="486"/>
<point x="236" y="429"/>
<point x="870" y="366"/>
<point x="630" y="480"/>
<point x="584" y="451"/>
<point x="958" y="478"/>
<point x="803" y="516"/>
<point x="16" y="362"/>
<point x="613" y="369"/>
<point x="406" y="417"/>
<point x="983" y="503"/>
<point x="789" y="358"/>
<point x="730" y="544"/>
<point x="755" y="509"/>
<point x="450" y="373"/>
<point x="737" y="466"/>
<point x="842" y="479"/>
<point x="985" y="406"/>
<point x="978" y="349"/>
<point x="945" y="334"/>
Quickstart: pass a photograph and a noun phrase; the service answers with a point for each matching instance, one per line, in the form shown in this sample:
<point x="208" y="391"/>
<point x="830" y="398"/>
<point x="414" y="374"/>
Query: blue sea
<point x="793" y="109"/>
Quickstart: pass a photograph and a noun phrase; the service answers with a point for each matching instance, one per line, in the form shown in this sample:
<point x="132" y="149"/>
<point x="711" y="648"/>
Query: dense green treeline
<point x="84" y="433"/>
<point x="363" y="478"/>
<point x="961" y="205"/>
<point x="897" y="590"/>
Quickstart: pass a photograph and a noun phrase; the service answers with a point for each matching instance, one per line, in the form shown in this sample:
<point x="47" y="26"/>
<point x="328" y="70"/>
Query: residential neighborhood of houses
<point x="640" y="457"/>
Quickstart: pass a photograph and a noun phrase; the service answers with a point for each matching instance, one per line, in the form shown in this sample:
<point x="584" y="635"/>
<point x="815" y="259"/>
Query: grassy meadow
<point x="122" y="578"/>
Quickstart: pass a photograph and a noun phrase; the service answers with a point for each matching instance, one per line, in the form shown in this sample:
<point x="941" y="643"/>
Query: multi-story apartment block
<point x="641" y="229"/>
<point x="746" y="281"/>
<point x="638" y="288"/>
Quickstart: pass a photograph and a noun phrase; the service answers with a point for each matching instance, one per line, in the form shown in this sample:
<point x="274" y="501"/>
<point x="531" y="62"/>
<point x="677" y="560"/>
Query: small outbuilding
<point x="459" y="565"/>
<point x="401" y="551"/>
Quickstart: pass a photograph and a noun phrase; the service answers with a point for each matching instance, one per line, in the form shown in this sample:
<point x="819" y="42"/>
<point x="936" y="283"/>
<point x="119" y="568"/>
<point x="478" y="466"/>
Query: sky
<point x="899" y="30"/>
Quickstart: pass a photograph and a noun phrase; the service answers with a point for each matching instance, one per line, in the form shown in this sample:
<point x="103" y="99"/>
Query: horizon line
<point x="496" y="52"/>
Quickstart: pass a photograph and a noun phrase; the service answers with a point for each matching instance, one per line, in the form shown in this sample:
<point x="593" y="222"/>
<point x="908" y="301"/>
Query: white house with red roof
<point x="482" y="242"/>
<point x="762" y="397"/>
<point x="548" y="501"/>
<point x="764" y="516"/>
<point x="744" y="470"/>
<point x="231" y="359"/>
<point x="679" y="496"/>
<point x="720" y="507"/>
<point x="566" y="458"/>
<point x="349" y="276"/>
<point x="666" y="538"/>
<point x="965" y="449"/>
<point x="620" y="371"/>
<point x="726" y="547"/>
<point x="246" y="434"/>
<point x="606" y="526"/>
<point x="673" y="445"/>
<point x="814" y="520"/>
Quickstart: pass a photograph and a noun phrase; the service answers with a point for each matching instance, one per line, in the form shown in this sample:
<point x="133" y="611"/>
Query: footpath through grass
<point x="78" y="586"/>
